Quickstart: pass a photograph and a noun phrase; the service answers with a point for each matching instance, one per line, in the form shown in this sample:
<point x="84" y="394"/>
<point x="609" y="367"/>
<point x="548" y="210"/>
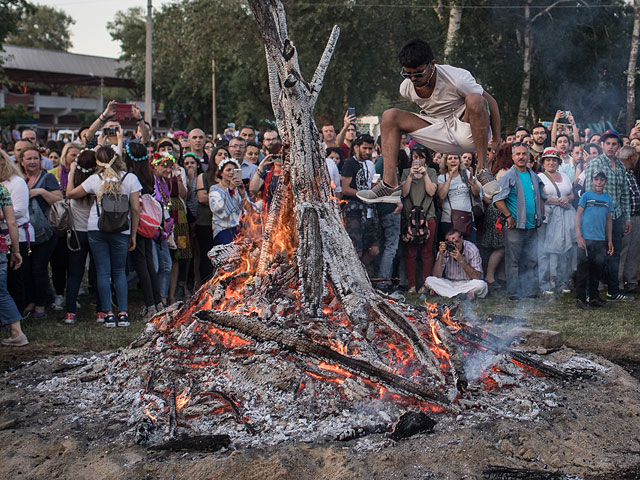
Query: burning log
<point x="255" y="329"/>
<point x="412" y="423"/>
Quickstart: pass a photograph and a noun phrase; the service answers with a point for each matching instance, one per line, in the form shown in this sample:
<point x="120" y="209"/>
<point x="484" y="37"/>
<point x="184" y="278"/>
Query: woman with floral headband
<point x="137" y="159"/>
<point x="80" y="209"/>
<point x="109" y="249"/>
<point x="163" y="164"/>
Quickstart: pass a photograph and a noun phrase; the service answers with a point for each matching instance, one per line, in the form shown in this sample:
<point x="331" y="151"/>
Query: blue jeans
<point x="521" y="261"/>
<point x="390" y="225"/>
<point x="8" y="311"/>
<point x="109" y="251"/>
<point x="612" y="263"/>
<point x="163" y="256"/>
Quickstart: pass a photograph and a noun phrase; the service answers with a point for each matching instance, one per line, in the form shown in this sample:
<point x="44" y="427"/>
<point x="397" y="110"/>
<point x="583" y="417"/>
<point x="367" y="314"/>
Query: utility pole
<point x="213" y="97"/>
<point x="148" y="113"/>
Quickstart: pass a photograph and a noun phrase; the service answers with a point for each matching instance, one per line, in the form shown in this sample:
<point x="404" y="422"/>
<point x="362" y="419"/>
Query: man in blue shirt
<point x="521" y="201"/>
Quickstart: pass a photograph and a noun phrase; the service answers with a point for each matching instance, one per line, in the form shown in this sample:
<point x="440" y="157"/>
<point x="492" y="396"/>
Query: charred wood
<point x="412" y="423"/>
<point x="200" y="443"/>
<point x="258" y="331"/>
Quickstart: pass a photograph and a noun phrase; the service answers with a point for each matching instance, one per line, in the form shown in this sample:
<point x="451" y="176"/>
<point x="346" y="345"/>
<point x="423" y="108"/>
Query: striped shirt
<point x="616" y="185"/>
<point x="452" y="270"/>
<point x="634" y="193"/>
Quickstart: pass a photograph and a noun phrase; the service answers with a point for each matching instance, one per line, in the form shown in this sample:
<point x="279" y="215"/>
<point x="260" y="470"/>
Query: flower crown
<point x="159" y="158"/>
<point x="133" y="157"/>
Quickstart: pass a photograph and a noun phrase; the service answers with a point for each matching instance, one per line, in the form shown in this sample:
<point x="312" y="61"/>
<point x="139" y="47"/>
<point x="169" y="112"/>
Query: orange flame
<point x="148" y="413"/>
<point x="182" y="400"/>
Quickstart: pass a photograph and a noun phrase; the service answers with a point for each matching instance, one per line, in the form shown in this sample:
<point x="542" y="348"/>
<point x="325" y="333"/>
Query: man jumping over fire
<point x="456" y="116"/>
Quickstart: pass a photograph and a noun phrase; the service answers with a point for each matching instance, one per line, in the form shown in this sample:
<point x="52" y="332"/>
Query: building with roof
<point x="37" y="78"/>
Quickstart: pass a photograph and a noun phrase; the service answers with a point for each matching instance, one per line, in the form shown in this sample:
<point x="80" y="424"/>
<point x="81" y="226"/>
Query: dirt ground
<point x="593" y="439"/>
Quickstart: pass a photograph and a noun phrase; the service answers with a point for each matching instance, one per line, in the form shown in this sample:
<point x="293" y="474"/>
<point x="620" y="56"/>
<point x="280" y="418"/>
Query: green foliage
<point x="43" y="27"/>
<point x="11" y="12"/>
<point x="580" y="55"/>
<point x="12" y="114"/>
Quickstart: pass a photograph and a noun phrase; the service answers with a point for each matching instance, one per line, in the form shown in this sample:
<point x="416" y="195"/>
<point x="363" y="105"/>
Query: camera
<point x="109" y="132"/>
<point x="450" y="246"/>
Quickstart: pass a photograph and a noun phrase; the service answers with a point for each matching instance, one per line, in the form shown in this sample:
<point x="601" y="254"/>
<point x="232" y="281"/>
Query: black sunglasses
<point x="416" y="74"/>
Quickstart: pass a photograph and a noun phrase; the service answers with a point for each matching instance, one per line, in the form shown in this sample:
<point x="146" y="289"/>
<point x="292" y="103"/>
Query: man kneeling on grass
<point x="458" y="269"/>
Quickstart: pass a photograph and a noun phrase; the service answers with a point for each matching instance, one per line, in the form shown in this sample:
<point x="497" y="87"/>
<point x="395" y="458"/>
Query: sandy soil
<point x="592" y="435"/>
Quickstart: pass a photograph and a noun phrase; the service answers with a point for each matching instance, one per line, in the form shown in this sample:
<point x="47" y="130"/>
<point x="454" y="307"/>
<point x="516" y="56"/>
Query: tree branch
<point x="323" y="64"/>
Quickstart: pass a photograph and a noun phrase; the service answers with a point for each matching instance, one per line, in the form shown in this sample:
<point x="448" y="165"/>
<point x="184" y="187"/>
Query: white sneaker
<point x="58" y="303"/>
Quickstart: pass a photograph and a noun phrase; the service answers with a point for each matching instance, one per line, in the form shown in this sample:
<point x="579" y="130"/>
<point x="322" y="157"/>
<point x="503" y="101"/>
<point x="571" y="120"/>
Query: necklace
<point x="431" y="76"/>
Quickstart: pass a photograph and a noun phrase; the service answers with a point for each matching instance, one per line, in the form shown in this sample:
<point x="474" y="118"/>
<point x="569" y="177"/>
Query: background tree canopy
<point x="579" y="59"/>
<point x="42" y="26"/>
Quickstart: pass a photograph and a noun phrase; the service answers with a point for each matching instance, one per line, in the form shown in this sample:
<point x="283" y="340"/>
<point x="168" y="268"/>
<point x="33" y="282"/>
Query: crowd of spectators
<point x="146" y="210"/>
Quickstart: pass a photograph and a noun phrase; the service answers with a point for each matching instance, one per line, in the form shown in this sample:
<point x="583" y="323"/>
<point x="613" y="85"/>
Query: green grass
<point x="603" y="329"/>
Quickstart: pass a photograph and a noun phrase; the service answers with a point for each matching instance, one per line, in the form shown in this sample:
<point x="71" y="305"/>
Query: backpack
<point x="59" y="217"/>
<point x="150" y="216"/>
<point x="38" y="219"/>
<point x="415" y="230"/>
<point x="114" y="217"/>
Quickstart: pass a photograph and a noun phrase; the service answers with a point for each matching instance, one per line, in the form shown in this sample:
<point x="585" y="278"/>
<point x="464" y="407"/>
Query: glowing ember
<point x="148" y="413"/>
<point x="182" y="400"/>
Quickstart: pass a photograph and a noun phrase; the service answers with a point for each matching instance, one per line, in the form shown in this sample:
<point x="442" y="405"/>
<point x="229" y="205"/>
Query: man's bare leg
<point x="477" y="116"/>
<point x="394" y="122"/>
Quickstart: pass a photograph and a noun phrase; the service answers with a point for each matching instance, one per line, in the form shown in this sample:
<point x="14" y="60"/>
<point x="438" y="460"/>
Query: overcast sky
<point x="89" y="34"/>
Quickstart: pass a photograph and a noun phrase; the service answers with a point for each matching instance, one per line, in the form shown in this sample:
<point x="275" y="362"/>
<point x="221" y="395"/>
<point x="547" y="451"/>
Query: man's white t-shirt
<point x="448" y="98"/>
<point x="458" y="198"/>
<point x="92" y="185"/>
<point x="334" y="175"/>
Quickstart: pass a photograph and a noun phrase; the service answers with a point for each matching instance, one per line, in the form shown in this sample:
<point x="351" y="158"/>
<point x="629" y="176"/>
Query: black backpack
<point x="415" y="230"/>
<point x="114" y="217"/>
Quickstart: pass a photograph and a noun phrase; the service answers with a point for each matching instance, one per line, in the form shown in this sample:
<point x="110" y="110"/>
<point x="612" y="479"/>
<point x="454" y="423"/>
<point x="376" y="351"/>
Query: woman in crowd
<point x="181" y="254"/>
<point x="136" y="157"/>
<point x="9" y="313"/>
<point x="12" y="178"/>
<point x="80" y="209"/>
<point x="227" y="200"/>
<point x="45" y="189"/>
<point x="204" y="233"/>
<point x="557" y="233"/>
<point x="109" y="249"/>
<point x="491" y="238"/>
<point x="252" y="153"/>
<point x="60" y="256"/>
<point x="563" y="146"/>
<point x="163" y="164"/>
<point x="455" y="187"/>
<point x="419" y="185"/>
<point x="193" y="168"/>
<point x="54" y="156"/>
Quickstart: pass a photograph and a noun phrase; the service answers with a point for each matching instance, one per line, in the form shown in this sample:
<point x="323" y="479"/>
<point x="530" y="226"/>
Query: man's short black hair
<point x="589" y="146"/>
<point x="538" y="125"/>
<point x="522" y="128"/>
<point x="248" y="127"/>
<point x="364" y="138"/>
<point x="415" y="53"/>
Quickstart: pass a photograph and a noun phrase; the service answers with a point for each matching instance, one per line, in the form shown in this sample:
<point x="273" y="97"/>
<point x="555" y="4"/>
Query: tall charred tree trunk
<point x="631" y="69"/>
<point x="455" y="20"/>
<point x="326" y="255"/>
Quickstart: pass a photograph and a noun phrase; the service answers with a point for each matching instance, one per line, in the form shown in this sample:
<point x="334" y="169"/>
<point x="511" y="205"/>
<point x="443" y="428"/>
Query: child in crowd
<point x="593" y="232"/>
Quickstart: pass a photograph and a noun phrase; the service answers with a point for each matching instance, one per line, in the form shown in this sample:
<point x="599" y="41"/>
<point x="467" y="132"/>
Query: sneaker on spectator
<point x="110" y="320"/>
<point x="618" y="297"/>
<point x="547" y="293"/>
<point x="148" y="313"/>
<point x="380" y="193"/>
<point x="100" y="318"/>
<point x="58" y="303"/>
<point x="19" y="341"/>
<point x="123" y="319"/>
<point x="70" y="318"/>
<point x="598" y="303"/>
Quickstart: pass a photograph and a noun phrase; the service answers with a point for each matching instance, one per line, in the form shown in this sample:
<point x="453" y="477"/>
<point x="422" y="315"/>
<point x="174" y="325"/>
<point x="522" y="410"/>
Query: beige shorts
<point x="451" y="135"/>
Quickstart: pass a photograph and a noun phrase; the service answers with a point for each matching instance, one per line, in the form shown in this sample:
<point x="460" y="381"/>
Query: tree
<point x="43" y="27"/>
<point x="11" y="12"/>
<point x="631" y="69"/>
